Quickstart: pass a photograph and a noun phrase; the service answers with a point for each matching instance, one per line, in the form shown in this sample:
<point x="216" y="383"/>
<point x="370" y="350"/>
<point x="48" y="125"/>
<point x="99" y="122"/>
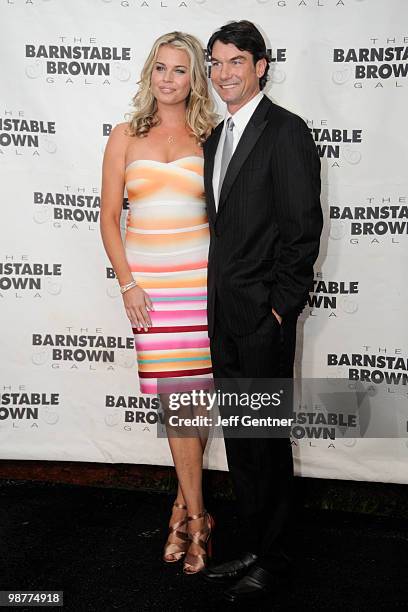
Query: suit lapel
<point x="209" y="157"/>
<point x="250" y="135"/>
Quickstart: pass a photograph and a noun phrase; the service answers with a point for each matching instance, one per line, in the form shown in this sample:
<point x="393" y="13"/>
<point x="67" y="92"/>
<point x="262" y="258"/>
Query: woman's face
<point x="170" y="80"/>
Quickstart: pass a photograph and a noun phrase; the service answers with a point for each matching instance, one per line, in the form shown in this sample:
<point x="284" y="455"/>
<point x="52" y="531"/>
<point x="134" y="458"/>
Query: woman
<point x="162" y="268"/>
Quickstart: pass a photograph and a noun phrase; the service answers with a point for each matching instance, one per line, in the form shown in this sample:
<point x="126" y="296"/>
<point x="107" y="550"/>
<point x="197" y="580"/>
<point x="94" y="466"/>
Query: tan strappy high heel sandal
<point x="176" y="549"/>
<point x="195" y="562"/>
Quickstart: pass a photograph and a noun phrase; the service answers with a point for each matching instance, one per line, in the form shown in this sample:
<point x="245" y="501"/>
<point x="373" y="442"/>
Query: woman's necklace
<point x="172" y="138"/>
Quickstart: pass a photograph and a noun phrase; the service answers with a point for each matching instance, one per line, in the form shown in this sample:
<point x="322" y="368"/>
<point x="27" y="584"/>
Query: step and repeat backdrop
<point x="69" y="387"/>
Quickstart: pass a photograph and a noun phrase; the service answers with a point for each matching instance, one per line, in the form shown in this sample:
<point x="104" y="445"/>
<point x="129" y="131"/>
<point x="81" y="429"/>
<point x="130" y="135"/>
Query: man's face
<point x="234" y="75"/>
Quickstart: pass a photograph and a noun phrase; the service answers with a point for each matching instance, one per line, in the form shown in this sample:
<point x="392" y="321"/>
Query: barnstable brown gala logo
<point x="132" y="412"/>
<point x="377" y="64"/>
<point x="82" y="348"/>
<point x="387" y="366"/>
<point x="332" y="297"/>
<point x="374" y="219"/>
<point x="72" y="207"/>
<point x="156" y="4"/>
<point x="25" y="135"/>
<point x="20" y="277"/>
<point x="20" y="406"/>
<point x="192" y="4"/>
<point x="77" y="57"/>
<point x="339" y="145"/>
<point x="305" y="4"/>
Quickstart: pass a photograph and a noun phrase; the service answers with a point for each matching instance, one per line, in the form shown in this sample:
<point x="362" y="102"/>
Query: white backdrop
<point x="340" y="64"/>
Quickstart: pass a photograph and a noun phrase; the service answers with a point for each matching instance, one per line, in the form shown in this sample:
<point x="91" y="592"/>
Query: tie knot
<point x="230" y="124"/>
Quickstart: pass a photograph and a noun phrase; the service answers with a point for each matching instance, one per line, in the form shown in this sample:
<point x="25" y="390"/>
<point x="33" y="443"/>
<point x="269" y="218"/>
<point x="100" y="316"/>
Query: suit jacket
<point x="265" y="234"/>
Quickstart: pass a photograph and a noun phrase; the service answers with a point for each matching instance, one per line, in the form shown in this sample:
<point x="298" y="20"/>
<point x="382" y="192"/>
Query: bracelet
<point x="130" y="285"/>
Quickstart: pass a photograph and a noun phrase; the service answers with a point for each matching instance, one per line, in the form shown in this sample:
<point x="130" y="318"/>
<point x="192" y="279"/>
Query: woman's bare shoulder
<point x="118" y="141"/>
<point x="120" y="131"/>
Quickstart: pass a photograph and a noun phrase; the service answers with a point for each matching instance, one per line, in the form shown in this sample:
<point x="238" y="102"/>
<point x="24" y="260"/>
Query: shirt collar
<point x="243" y="115"/>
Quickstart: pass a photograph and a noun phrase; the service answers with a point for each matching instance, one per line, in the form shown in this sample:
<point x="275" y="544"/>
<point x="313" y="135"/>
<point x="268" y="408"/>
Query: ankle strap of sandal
<point x="193" y="517"/>
<point x="181" y="506"/>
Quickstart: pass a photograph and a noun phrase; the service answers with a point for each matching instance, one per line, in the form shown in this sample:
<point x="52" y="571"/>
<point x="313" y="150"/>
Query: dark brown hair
<point x="246" y="37"/>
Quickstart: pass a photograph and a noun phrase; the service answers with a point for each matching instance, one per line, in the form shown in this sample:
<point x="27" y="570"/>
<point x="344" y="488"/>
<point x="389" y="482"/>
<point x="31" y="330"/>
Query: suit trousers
<point x="261" y="468"/>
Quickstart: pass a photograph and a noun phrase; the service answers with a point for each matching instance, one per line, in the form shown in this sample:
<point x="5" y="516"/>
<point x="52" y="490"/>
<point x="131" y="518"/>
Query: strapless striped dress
<point x="167" y="239"/>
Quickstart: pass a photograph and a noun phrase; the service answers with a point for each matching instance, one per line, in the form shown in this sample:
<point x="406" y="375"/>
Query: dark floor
<point x="102" y="547"/>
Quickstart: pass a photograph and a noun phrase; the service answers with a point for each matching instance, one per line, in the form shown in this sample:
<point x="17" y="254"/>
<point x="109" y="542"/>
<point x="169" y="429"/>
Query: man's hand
<point x="277" y="316"/>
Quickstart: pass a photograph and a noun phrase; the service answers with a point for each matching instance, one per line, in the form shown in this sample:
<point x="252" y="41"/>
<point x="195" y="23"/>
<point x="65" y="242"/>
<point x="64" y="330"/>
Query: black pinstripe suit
<point x="264" y="242"/>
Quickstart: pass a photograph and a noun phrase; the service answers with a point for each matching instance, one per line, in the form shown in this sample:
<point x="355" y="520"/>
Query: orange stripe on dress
<point x="173" y="365"/>
<point x="152" y="173"/>
<point x="174" y="268"/>
<point x="143" y="190"/>
<point x="171" y="282"/>
<point x="161" y="178"/>
<point x="197" y="168"/>
<point x="138" y="221"/>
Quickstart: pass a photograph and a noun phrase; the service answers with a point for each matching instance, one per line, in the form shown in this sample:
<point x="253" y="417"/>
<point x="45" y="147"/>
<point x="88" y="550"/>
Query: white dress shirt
<point x="240" y="119"/>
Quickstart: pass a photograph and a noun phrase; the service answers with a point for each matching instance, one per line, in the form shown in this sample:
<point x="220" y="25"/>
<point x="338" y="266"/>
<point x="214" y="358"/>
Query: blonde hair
<point x="200" y="115"/>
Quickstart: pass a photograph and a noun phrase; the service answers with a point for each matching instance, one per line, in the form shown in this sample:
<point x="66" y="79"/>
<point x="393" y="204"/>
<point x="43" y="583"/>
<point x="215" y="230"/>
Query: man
<point x="262" y="180"/>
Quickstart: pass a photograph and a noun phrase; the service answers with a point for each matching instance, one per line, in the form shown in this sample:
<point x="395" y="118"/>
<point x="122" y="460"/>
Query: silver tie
<point x="226" y="152"/>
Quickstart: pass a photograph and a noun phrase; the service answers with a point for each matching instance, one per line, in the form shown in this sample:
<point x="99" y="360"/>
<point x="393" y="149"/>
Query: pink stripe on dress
<point x="145" y="343"/>
<point x="178" y="317"/>
<point x="185" y="305"/>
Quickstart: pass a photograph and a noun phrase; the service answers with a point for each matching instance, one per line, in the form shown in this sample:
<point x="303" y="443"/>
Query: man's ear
<point x="260" y="67"/>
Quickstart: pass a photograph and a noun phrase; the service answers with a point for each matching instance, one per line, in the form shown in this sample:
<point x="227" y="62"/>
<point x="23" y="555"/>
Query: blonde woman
<point x="162" y="267"/>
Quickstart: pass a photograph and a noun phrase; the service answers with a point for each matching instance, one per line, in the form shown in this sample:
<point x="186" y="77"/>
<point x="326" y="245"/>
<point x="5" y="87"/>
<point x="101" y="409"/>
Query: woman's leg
<point x="187" y="445"/>
<point x="187" y="453"/>
<point x="178" y="515"/>
<point x="188" y="460"/>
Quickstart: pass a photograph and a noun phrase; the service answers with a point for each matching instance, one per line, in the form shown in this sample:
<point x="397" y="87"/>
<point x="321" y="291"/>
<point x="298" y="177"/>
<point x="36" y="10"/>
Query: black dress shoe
<point x="257" y="583"/>
<point x="230" y="569"/>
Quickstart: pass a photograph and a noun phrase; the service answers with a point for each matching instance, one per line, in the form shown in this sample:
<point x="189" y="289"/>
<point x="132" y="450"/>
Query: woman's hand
<point x="137" y="304"/>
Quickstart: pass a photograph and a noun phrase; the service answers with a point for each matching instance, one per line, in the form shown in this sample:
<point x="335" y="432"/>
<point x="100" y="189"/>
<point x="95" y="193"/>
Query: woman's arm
<point x="136" y="301"/>
<point x="113" y="182"/>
